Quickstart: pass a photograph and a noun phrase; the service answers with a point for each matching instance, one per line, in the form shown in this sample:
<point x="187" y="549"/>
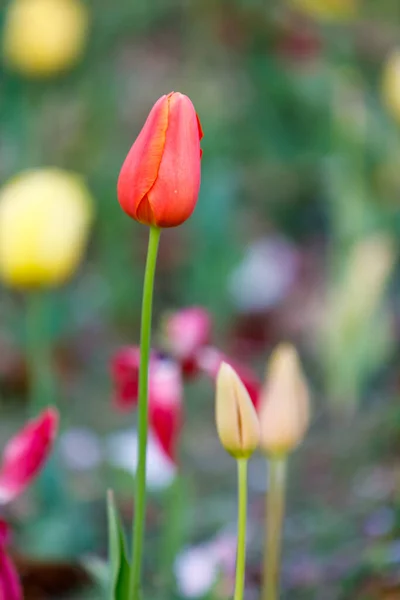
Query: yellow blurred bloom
<point x="327" y="9"/>
<point x="391" y="84"/>
<point x="284" y="411"/>
<point x="44" y="37"/>
<point x="44" y="223"/>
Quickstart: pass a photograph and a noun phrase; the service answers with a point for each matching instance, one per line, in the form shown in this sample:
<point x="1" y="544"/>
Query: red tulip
<point x="209" y="360"/>
<point x="26" y="453"/>
<point x="186" y="331"/>
<point x="165" y="404"/>
<point x="160" y="179"/>
<point x="10" y="587"/>
<point x="125" y="374"/>
<point x="165" y="393"/>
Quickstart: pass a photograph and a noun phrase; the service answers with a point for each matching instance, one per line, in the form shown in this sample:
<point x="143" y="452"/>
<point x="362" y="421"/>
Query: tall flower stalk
<point x="138" y="523"/>
<point x="275" y="511"/>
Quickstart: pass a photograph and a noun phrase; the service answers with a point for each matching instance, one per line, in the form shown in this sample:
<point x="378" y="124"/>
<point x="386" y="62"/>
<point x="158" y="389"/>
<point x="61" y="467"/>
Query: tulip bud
<point x="44" y="37"/>
<point x="26" y="453"/>
<point x="160" y="179"/>
<point x="44" y="222"/>
<point x="329" y="10"/>
<point x="391" y="84"/>
<point x="284" y="409"/>
<point x="236" y="417"/>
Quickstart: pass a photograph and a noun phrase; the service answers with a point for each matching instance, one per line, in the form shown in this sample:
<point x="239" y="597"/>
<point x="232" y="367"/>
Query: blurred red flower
<point x="165" y="393"/>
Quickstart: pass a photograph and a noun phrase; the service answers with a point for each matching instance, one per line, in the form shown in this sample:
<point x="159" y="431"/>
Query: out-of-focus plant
<point x="284" y="417"/>
<point x="239" y="432"/>
<point x="158" y="186"/>
<point x="357" y="330"/>
<point x="22" y="459"/>
<point x="44" y="37"/>
<point x="45" y="216"/>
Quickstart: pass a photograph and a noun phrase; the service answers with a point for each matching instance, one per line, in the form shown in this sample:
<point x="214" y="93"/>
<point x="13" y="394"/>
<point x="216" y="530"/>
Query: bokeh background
<point x="294" y="238"/>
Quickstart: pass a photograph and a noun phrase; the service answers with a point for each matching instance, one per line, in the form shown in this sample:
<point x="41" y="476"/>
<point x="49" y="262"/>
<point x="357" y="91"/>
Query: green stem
<point x="274" y="517"/>
<point x="38" y="351"/>
<point x="138" y="525"/>
<point x="241" y="547"/>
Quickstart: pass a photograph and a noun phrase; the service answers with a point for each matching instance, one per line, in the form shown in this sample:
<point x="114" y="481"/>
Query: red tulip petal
<point x="26" y="453"/>
<point x="174" y="194"/>
<point x="141" y="166"/>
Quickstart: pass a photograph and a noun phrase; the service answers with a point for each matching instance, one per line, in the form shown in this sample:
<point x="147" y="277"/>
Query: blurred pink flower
<point x="26" y="453"/>
<point x="10" y="587"/>
<point x="187" y="331"/>
<point x="209" y="360"/>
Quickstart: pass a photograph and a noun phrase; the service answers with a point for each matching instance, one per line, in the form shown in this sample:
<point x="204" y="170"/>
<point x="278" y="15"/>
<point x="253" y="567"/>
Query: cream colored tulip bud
<point x="237" y="422"/>
<point x="284" y="409"/>
<point x="391" y="84"/>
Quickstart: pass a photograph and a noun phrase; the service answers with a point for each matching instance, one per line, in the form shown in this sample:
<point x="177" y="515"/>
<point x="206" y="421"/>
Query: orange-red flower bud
<point x="160" y="179"/>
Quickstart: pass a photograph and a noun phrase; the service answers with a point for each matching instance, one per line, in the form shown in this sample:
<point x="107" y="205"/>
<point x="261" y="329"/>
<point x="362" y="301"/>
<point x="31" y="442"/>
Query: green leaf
<point x="120" y="569"/>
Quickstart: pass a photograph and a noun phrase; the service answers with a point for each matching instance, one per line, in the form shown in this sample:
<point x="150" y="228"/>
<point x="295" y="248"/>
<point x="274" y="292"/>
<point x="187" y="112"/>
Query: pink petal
<point x="26" y="453"/>
<point x="10" y="587"/>
<point x="165" y="404"/>
<point x="209" y="360"/>
<point x="187" y="331"/>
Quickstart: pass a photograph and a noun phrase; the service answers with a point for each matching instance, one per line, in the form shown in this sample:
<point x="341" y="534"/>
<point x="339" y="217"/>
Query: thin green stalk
<point x="241" y="543"/>
<point x="42" y="389"/>
<point x="38" y="352"/>
<point x="138" y="524"/>
<point x="274" y="521"/>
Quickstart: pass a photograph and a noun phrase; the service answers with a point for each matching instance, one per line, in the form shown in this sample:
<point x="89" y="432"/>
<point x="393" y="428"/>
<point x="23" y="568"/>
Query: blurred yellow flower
<point x="391" y="84"/>
<point x="44" y="37"/>
<point x="355" y="300"/>
<point x="327" y="9"/>
<point x="44" y="223"/>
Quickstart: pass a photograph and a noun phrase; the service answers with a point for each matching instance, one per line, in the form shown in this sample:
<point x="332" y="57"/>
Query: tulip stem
<point x="138" y="524"/>
<point x="38" y="352"/>
<point x="241" y="542"/>
<point x="275" y="510"/>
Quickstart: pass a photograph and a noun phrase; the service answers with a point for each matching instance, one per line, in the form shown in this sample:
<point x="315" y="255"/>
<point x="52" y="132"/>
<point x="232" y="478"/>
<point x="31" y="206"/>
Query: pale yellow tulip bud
<point x="391" y="84"/>
<point x="237" y="422"/>
<point x="44" y="37"/>
<point x="284" y="409"/>
<point x="44" y="224"/>
<point x="328" y="9"/>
